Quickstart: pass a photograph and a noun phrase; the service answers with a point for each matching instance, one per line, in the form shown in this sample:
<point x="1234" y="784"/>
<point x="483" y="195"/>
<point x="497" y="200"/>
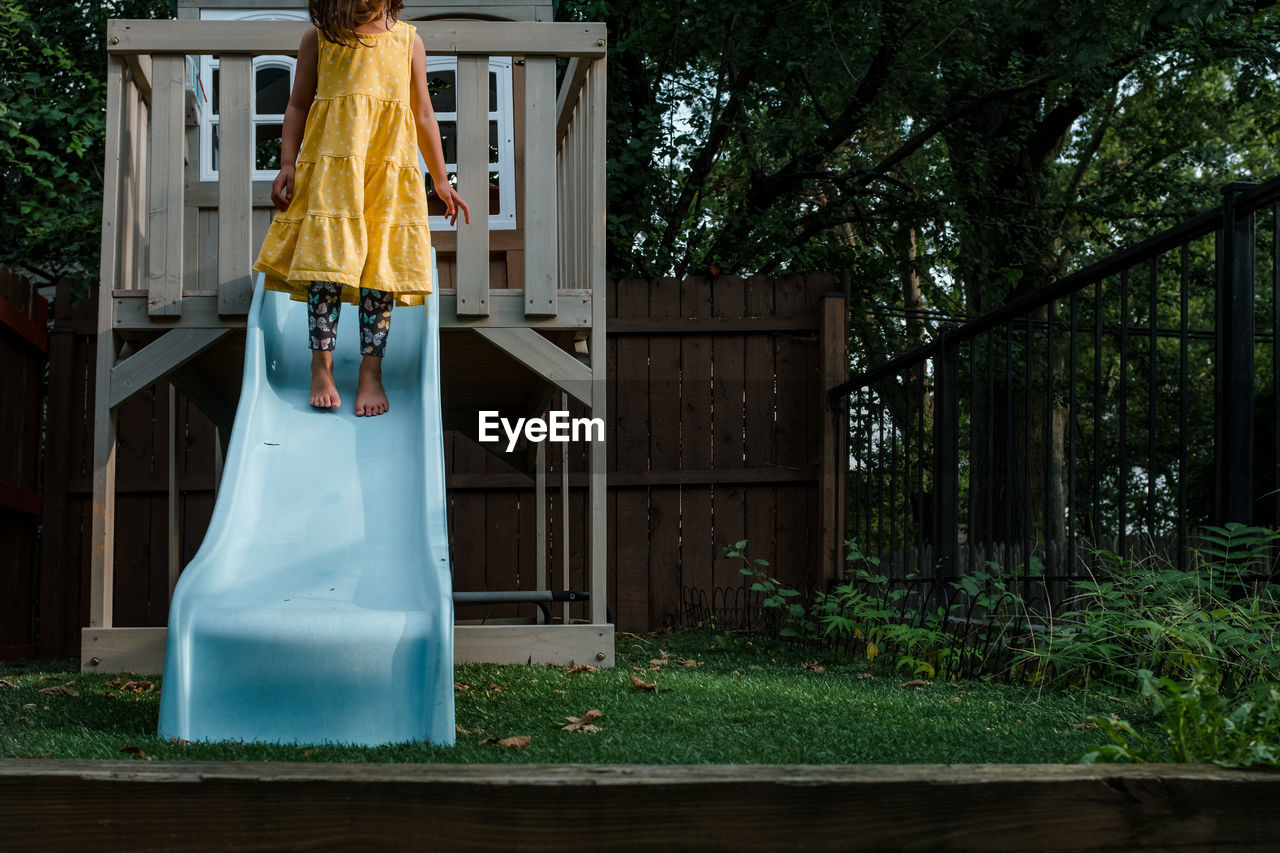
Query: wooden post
<point x="473" y="183"/>
<point x="540" y="514"/>
<point x="166" y="188"/>
<point x="564" y="514"/>
<point x="235" y="142"/>
<point x="540" y="275"/>
<point x="833" y="459"/>
<point x="173" y="550"/>
<point x="595" y="203"/>
<point x="101" y="580"/>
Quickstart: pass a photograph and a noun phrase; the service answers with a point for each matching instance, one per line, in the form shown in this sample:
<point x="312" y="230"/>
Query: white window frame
<point x="503" y="220"/>
<point x="206" y="66"/>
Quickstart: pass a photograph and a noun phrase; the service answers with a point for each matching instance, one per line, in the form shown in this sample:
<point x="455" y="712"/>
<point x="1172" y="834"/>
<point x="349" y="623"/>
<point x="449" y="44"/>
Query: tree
<point x="52" y="125"/>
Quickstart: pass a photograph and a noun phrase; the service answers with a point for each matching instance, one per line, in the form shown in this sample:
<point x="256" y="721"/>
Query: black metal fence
<point x="1120" y="408"/>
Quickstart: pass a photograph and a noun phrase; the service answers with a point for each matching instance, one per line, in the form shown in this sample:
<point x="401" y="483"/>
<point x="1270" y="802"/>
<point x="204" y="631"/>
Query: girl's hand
<point x="452" y="202"/>
<point x="282" y="188"/>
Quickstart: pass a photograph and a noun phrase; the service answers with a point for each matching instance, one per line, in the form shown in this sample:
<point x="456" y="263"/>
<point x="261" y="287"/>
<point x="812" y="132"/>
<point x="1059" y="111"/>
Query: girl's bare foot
<point x="371" y="398"/>
<point x="324" y="393"/>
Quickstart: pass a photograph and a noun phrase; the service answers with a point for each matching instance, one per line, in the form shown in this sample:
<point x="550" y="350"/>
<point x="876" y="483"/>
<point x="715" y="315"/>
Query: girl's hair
<point x="336" y="19"/>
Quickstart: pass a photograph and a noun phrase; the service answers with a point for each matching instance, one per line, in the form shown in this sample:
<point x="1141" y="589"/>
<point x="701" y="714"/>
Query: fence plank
<point x="664" y="455"/>
<point x="631" y="534"/>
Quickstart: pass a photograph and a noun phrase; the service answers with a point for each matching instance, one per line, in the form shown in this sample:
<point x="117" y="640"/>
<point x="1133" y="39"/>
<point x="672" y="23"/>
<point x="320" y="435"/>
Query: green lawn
<point x="755" y="702"/>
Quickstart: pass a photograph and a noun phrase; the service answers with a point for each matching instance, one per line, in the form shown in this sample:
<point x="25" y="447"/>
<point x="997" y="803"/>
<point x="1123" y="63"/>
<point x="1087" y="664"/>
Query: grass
<point x="751" y="703"/>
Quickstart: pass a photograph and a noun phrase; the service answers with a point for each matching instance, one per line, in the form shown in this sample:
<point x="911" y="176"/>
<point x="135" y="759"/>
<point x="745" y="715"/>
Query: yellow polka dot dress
<point x="359" y="210"/>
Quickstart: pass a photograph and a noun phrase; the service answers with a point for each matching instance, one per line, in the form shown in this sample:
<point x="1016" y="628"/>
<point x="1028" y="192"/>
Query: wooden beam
<point x="441" y="38"/>
<point x="506" y="308"/>
<point x="164" y="279"/>
<point x="541" y="276"/>
<point x="543" y="358"/>
<point x="142" y="649"/>
<point x="570" y="90"/>
<point x="102" y="509"/>
<point x="235" y="185"/>
<point x="713" y="325"/>
<point x="596" y="201"/>
<point x="473" y="183"/>
<point x="158" y="359"/>
<point x="140" y="69"/>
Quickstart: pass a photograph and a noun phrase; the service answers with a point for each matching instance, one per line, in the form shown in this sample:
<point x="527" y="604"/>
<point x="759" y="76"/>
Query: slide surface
<point x="318" y="608"/>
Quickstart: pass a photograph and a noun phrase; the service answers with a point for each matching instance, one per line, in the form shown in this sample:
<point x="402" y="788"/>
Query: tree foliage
<point x="1009" y="140"/>
<point x="52" y="125"/>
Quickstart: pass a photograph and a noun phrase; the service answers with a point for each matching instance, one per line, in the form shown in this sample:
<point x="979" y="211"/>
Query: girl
<point x="352" y="221"/>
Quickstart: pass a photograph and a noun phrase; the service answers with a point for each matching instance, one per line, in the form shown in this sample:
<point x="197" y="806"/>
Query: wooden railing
<point x="152" y="240"/>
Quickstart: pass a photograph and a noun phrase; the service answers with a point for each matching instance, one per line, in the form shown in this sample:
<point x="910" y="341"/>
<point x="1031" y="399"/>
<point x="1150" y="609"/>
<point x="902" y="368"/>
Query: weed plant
<point x="1202" y="645"/>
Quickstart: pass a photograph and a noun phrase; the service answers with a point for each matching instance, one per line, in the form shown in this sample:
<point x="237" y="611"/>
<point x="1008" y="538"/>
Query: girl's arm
<point x="424" y="117"/>
<point x="295" y="118"/>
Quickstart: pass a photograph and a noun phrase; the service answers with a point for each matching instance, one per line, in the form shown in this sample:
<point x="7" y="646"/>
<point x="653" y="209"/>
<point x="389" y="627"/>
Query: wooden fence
<point x="24" y="345"/>
<point x="715" y="386"/>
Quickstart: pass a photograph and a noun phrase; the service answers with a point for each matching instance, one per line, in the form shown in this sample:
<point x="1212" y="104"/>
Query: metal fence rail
<point x="1120" y="408"/>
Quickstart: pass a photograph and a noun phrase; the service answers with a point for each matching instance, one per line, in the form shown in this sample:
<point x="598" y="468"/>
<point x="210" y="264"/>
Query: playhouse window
<point x="442" y="80"/>
<point x="273" y="82"/>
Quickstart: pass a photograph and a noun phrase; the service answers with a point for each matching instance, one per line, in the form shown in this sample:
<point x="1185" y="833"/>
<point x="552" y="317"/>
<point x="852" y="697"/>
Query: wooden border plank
<point x="440" y="38"/>
<point x="55" y="805"/>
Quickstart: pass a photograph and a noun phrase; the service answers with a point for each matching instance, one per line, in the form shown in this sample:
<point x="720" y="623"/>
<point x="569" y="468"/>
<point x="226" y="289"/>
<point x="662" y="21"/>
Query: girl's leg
<point x="375" y="325"/>
<point x="323" y="305"/>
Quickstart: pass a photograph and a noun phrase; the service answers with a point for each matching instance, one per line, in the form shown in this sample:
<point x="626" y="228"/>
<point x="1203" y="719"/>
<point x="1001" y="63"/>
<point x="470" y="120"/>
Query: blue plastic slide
<point x="318" y="609"/>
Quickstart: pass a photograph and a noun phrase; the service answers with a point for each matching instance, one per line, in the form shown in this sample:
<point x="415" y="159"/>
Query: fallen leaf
<point x="518" y="742"/>
<point x="110" y="695"/>
<point x="583" y="723"/>
<point x="864" y="675"/>
<point x="59" y="690"/>
<point x="954" y="699"/>
<point x="134" y="750"/>
<point x="496" y="689"/>
<point x="915" y="682"/>
<point x="580" y="667"/>
<point x="1088" y="725"/>
<point x="687" y="662"/>
<point x="138" y="686"/>
<point x="4" y="682"/>
<point x="813" y="666"/>
<point x="179" y="741"/>
<point x="643" y="685"/>
<point x="1114" y="698"/>
<point x="458" y="685"/>
<point x="463" y="731"/>
<point x="1114" y="716"/>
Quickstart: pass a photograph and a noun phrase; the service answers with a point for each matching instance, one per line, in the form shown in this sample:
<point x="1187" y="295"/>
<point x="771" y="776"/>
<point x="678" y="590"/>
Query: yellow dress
<point x="359" y="210"/>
